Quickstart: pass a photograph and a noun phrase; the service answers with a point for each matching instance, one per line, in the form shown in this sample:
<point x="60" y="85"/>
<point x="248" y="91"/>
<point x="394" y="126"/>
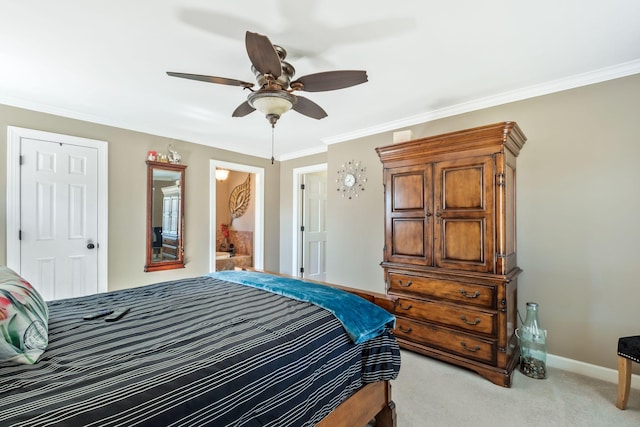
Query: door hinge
<point x="500" y="180"/>
<point x="302" y="228"/>
<point x="500" y="255"/>
<point x="19" y="234"/>
<point x="302" y="186"/>
<point x="301" y="269"/>
<point x="21" y="160"/>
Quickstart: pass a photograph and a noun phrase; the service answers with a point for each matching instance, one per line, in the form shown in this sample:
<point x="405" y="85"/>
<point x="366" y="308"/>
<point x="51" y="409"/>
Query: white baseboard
<point x="589" y="370"/>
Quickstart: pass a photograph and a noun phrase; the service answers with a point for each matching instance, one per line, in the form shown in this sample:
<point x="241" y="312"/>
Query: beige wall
<point x="578" y="198"/>
<point x="355" y="227"/>
<point x="127" y="195"/>
<point x="577" y="201"/>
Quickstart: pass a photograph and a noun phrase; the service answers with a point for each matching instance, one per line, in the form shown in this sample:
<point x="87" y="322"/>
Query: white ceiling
<point x="105" y="61"/>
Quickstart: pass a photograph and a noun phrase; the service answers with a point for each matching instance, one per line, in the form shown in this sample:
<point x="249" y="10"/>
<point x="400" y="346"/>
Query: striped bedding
<point x="192" y="352"/>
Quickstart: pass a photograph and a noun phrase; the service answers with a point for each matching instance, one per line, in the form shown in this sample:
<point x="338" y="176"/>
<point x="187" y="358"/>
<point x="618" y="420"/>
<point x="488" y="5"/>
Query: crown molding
<point x="302" y="153"/>
<point x="584" y="79"/>
<point x="578" y="80"/>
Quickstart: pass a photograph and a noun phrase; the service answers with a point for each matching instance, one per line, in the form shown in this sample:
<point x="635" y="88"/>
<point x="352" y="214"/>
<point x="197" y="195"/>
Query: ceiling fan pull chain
<point x="273" y="128"/>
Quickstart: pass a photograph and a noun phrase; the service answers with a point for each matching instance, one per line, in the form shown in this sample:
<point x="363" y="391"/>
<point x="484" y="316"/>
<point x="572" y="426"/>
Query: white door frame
<point x="296" y="242"/>
<point x="258" y="234"/>
<point x="14" y="138"/>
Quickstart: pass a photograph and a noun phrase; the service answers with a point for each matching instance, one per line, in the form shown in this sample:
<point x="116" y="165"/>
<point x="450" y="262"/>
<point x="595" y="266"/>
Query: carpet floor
<point x="430" y="393"/>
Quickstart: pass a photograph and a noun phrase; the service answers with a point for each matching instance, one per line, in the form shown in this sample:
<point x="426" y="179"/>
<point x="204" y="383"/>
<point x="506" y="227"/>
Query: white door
<point x="314" y="225"/>
<point x="59" y="218"/>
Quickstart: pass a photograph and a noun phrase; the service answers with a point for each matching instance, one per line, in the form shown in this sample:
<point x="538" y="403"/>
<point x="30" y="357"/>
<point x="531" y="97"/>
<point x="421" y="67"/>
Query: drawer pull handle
<point x="464" y="293"/>
<point x="472" y="350"/>
<point x="474" y="323"/>
<point x="408" y="307"/>
<point x="405" y="285"/>
<point x="406" y="331"/>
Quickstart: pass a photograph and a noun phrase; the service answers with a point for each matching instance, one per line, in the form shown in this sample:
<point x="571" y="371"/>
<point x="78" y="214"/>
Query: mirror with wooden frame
<point x="165" y="216"/>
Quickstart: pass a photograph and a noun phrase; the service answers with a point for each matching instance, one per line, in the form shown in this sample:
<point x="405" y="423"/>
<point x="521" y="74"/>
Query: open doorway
<point x="309" y="228"/>
<point x="238" y="231"/>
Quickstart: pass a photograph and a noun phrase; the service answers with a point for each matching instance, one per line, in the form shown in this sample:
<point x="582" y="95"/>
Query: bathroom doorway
<point x="245" y="233"/>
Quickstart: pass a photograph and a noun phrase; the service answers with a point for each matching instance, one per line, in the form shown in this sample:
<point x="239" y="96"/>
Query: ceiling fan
<point x="274" y="95"/>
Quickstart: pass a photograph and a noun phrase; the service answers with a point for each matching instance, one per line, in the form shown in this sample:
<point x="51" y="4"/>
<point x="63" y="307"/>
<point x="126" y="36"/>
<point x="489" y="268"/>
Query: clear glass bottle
<point x="533" y="345"/>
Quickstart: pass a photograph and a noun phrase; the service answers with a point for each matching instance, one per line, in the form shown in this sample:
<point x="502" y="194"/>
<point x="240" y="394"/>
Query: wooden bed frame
<point x="373" y="401"/>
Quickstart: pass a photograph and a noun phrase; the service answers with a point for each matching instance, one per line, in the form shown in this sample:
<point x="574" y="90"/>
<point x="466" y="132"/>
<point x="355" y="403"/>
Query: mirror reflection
<point x="165" y="213"/>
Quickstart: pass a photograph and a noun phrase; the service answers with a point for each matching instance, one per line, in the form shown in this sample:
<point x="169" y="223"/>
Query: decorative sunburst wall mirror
<point x="351" y="179"/>
<point x="239" y="199"/>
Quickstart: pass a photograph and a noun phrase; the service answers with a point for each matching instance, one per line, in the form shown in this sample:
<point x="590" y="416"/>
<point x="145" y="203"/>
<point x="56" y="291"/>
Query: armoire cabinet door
<point x="409" y="215"/>
<point x="463" y="210"/>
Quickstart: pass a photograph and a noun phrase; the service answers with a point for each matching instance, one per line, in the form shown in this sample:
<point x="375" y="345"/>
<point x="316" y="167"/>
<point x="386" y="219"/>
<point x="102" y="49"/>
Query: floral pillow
<point x="24" y="320"/>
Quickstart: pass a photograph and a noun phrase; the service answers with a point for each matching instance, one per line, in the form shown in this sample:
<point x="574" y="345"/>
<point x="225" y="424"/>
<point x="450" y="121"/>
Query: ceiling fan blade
<point x="211" y="79"/>
<point x="331" y="80"/>
<point x="309" y="108"/>
<point x="243" y="109"/>
<point x="262" y="54"/>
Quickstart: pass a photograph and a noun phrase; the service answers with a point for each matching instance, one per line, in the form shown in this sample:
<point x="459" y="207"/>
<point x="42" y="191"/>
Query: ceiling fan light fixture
<point x="272" y="102"/>
<point x="273" y="75"/>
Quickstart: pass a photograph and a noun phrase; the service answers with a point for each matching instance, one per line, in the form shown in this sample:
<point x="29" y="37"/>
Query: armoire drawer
<point x="458" y="292"/>
<point x="447" y="340"/>
<point x="458" y="317"/>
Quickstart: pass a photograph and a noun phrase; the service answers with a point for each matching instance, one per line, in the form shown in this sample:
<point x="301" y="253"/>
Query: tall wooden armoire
<point x="450" y="246"/>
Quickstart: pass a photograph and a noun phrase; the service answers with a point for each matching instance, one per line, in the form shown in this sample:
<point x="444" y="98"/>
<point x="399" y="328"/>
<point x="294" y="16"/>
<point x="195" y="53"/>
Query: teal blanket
<point x="361" y="319"/>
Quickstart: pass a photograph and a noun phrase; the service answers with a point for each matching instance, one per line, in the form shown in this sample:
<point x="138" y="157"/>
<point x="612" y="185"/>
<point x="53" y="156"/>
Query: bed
<point x="208" y="350"/>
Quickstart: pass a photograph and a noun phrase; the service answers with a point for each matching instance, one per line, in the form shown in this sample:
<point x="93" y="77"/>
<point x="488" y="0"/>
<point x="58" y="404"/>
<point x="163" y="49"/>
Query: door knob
<point x="90" y="246"/>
